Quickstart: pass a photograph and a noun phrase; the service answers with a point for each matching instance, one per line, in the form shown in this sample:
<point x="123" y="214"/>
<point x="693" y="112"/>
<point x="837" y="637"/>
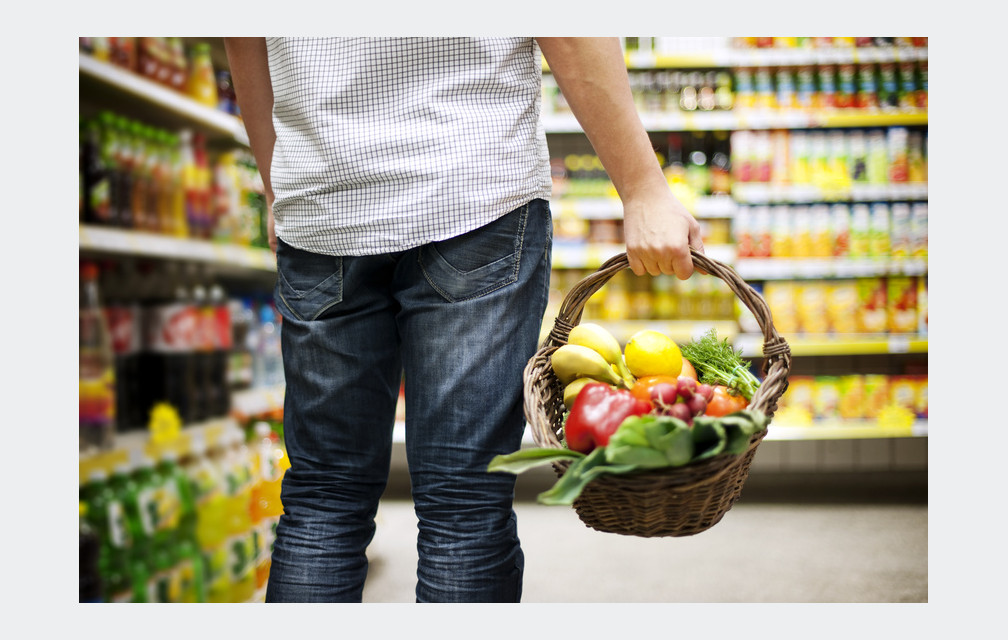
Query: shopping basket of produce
<point x="627" y="487"/>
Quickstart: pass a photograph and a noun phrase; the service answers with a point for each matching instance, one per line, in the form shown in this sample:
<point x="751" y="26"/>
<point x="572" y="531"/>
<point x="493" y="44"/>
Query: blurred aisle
<point x="759" y="552"/>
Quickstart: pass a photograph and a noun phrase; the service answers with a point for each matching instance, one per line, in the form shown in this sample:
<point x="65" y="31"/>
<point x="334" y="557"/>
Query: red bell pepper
<point x="597" y="412"/>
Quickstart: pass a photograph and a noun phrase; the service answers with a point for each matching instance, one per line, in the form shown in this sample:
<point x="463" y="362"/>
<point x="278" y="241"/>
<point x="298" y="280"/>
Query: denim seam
<point x="337" y="300"/>
<point x="519" y="243"/>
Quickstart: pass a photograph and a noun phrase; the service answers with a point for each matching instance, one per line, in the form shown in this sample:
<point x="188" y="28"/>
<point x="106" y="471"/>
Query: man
<point x="409" y="180"/>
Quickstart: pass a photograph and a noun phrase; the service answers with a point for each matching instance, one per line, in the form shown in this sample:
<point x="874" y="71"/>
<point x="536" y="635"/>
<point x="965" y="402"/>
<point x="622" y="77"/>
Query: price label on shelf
<point x="899" y="344"/>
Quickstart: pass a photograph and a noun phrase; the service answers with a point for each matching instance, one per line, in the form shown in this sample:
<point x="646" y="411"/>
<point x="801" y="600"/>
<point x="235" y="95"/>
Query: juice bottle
<point x="239" y="480"/>
<point x="867" y="87"/>
<point x="96" y="366"/>
<point x="273" y="463"/>
<point x="139" y="196"/>
<point x="202" y="86"/>
<point x="190" y="182"/>
<point x="178" y="223"/>
<point x="179" y="65"/>
<point x="97" y="174"/>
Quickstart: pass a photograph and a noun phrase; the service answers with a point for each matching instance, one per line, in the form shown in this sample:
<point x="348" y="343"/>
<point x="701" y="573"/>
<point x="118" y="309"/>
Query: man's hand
<point x="659" y="233"/>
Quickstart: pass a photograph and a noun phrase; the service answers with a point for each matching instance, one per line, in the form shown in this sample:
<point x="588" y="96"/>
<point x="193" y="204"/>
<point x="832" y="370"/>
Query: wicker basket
<point x="674" y="502"/>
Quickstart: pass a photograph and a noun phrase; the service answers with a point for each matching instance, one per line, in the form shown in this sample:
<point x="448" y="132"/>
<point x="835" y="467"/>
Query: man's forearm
<point x="592" y="75"/>
<point x="250" y="74"/>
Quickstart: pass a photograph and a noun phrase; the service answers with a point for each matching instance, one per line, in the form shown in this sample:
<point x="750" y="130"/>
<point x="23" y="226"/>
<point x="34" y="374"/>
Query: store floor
<point x="762" y="551"/>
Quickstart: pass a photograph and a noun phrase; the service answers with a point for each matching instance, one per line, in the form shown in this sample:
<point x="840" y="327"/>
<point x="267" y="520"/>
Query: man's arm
<point x="250" y="75"/>
<point x="591" y="73"/>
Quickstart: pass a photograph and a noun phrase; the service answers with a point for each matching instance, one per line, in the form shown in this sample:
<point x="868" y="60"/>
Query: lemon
<point x="652" y="353"/>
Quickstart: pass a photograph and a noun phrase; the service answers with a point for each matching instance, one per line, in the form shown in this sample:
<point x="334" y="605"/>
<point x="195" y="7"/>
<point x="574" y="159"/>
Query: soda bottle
<point x="222" y="345"/>
<point x="90" y="586"/>
<point x="170" y="325"/>
<point x="96" y="366"/>
<point x="125" y="326"/>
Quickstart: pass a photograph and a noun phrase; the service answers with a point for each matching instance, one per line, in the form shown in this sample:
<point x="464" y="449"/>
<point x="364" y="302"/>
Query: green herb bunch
<point x="717" y="363"/>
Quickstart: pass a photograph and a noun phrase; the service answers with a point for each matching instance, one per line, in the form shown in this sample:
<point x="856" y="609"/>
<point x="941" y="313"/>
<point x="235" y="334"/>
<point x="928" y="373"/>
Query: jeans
<point x="457" y="320"/>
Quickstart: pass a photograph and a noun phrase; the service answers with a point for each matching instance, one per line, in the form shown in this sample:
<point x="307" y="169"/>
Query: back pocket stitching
<point x="511" y="279"/>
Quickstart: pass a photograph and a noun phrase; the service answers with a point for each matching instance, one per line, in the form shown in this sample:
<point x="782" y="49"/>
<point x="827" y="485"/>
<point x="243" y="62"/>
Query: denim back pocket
<point x="307" y="283"/>
<point x="478" y="262"/>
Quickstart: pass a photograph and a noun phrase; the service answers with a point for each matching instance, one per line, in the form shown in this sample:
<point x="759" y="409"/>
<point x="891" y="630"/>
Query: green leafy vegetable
<point x="718" y="363"/>
<point x="640" y="443"/>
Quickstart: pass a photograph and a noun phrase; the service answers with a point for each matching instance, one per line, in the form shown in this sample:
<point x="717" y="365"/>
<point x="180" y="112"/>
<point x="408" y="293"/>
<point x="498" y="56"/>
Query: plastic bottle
<point x="269" y="363"/>
<point x="221" y="345"/>
<point x="123" y="312"/>
<point x="97" y="175"/>
<point x="137" y="162"/>
<point x="272" y="461"/>
<point x="170" y="329"/>
<point x="240" y="480"/>
<point x="203" y="391"/>
<point x="190" y="182"/>
<point x="212" y="526"/>
<point x="96" y="366"/>
<point x="179" y="64"/>
<point x="127" y="541"/>
<point x="202" y="85"/>
<point x="89" y="579"/>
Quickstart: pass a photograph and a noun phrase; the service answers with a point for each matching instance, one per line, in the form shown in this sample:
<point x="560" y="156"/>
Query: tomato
<point x="688" y="370"/>
<point x="642" y="388"/>
<point x="723" y="402"/>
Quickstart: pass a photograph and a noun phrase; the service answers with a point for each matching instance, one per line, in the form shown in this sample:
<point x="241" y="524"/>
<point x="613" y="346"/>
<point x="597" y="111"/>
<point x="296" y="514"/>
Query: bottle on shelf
<point x="124" y="316"/>
<point x="272" y="463"/>
<point x="169" y="319"/>
<point x="268" y="360"/>
<point x="97" y="173"/>
<point x="240" y="479"/>
<point x="90" y="586"/>
<point x="202" y="85"/>
<point x="96" y="366"/>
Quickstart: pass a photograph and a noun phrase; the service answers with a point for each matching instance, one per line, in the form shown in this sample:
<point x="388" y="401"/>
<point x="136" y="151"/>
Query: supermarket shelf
<point x="152" y="245"/>
<point x="130" y="445"/>
<point x="770" y="57"/>
<point x="751" y="345"/>
<point x="182" y="107"/>
<point x="556" y="123"/>
<point x="245" y="404"/>
<point x="679" y="330"/>
<point x="589" y="255"/>
<point x="765" y="193"/>
<point x="603" y="208"/>
<point x="845" y="430"/>
<point x="802" y="268"/>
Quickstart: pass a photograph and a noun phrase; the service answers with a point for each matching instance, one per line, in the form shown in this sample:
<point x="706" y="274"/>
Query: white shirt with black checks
<point x="384" y="144"/>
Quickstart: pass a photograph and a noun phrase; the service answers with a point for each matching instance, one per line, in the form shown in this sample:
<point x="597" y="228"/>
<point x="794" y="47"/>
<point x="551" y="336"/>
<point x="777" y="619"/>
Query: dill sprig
<point x="716" y="362"/>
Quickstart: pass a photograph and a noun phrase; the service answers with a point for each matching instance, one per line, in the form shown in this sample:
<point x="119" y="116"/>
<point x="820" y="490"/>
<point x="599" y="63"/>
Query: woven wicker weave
<point x="679" y="501"/>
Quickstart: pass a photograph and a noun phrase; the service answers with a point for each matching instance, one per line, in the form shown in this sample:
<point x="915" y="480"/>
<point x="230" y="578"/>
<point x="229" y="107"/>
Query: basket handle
<point x="776" y="352"/>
